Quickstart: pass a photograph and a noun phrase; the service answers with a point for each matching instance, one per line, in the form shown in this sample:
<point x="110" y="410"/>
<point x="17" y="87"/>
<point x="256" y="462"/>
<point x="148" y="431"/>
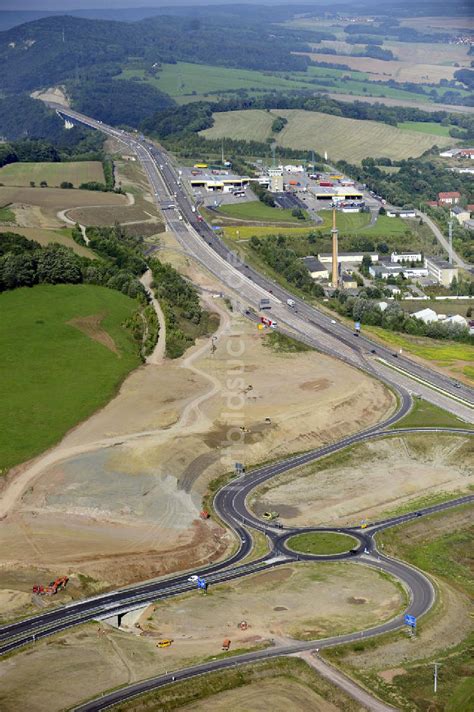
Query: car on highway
<point x="333" y="321"/>
<point x="194" y="577"/>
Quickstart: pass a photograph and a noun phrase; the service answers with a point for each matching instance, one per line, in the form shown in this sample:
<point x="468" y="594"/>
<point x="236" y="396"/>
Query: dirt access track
<point x="274" y="604"/>
<point x="118" y="499"/>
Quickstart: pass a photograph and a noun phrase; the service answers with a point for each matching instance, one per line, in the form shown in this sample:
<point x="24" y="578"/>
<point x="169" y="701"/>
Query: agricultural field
<point x="380" y="70"/>
<point x="370" y="481"/>
<point x="439" y="23"/>
<point x="75" y="172"/>
<point x="348" y="139"/>
<point x="39" y="207"/>
<point x="429" y="127"/>
<point x="280" y="685"/>
<point x="278" y="695"/>
<point x="46" y="237"/>
<point x="193" y="82"/>
<point x="429" y="53"/>
<point x="74" y="337"/>
<point x="400" y="669"/>
<point x="186" y="79"/>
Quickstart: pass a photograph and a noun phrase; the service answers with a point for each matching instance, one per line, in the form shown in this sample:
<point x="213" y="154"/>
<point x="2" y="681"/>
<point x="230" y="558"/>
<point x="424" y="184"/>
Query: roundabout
<point x="286" y="545"/>
<point x="321" y="544"/>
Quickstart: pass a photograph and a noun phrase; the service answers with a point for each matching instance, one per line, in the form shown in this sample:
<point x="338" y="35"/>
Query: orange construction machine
<point x="53" y="587"/>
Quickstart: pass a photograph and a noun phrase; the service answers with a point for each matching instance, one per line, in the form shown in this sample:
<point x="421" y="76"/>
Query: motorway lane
<point x="422" y="598"/>
<point x="335" y="339"/>
<point x="232" y="502"/>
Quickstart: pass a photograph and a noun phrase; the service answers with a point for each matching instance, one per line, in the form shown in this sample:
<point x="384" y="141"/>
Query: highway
<point x="230" y="501"/>
<point x="305" y="321"/>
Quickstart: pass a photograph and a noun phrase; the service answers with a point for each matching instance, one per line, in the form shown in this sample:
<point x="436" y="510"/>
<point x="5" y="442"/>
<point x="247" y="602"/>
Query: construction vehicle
<point x="164" y="643"/>
<point x="204" y="514"/>
<point x="270" y="515"/>
<point x="53" y="587"/>
<point x="226" y="644"/>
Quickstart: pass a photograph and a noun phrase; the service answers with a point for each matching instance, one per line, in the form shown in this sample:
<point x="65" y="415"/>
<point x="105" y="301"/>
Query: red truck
<point x="268" y="322"/>
<point x="326" y="183"/>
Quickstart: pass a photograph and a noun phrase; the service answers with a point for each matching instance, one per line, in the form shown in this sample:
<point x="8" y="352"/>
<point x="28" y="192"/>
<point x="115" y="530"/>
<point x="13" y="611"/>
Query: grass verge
<point x="321" y="543"/>
<point x="440" y="545"/>
<point x="448" y="354"/>
<point x="284" y="344"/>
<point x="425" y="415"/>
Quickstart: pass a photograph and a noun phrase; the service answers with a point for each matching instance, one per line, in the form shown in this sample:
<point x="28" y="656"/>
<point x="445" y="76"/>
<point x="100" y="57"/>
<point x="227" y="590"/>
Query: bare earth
<point x="369" y="480"/>
<point x="55" y="94"/>
<point x="277" y="695"/>
<point x="274" y="604"/>
<point x="123" y="491"/>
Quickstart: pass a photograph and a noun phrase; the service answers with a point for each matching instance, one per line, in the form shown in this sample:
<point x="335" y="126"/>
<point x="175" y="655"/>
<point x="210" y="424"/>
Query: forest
<point x="24" y="263"/>
<point x="56" y="49"/>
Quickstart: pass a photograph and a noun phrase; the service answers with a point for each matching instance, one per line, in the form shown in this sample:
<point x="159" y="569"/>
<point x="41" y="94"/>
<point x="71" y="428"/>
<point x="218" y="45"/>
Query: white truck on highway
<point x="291" y="303"/>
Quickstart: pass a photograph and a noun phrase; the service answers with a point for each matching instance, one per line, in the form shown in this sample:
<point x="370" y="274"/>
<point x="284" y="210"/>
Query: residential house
<point x="450" y="198"/>
<point x="460" y="214"/>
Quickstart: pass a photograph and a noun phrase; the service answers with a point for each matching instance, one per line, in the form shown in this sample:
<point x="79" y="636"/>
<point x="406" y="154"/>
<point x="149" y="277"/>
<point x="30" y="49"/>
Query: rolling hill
<point x="346" y="139"/>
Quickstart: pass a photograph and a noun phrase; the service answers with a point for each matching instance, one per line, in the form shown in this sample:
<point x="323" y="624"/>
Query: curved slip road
<point x="230" y="501"/>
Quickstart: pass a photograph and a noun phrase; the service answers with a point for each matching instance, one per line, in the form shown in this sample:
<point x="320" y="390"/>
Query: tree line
<point x="179" y="300"/>
<point x="364" y="309"/>
<point x="277" y="253"/>
<point x="24" y="263"/>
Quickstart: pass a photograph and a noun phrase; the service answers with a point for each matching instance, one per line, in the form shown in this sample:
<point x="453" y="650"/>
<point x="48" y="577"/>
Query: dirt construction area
<point x="370" y="480"/>
<point x="274" y="605"/>
<point x="119" y="499"/>
<point x="277" y="695"/>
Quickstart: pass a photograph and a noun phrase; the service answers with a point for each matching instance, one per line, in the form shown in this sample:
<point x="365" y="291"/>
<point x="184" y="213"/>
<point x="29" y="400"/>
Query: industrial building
<point x="218" y="182"/>
<point x="406" y="257"/>
<point x="354" y="258"/>
<point x="444" y="272"/>
<point x="426" y="315"/>
<point x="389" y="269"/>
<point x="315" y="268"/>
